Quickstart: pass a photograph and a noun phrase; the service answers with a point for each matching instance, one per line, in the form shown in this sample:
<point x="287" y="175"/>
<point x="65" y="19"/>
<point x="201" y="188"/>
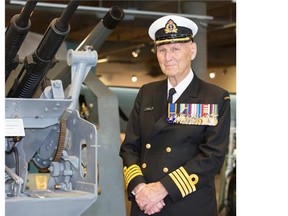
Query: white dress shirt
<point x="180" y="88"/>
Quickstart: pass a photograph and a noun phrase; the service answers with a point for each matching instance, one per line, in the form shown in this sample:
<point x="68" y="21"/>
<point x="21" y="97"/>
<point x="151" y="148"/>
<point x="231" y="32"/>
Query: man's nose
<point x="168" y="56"/>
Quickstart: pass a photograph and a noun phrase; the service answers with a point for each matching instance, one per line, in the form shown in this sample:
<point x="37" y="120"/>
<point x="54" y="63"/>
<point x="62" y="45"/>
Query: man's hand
<point x="138" y="187"/>
<point x="150" y="197"/>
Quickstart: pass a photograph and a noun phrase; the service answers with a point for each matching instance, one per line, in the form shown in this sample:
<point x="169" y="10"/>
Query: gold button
<point x="144" y="165"/>
<point x="168" y="149"/>
<point x="148" y="145"/>
<point x="165" y="169"/>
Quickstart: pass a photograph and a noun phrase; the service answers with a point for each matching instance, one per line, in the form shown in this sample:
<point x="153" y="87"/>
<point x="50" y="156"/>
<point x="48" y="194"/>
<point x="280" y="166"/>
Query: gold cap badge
<point x="170" y="27"/>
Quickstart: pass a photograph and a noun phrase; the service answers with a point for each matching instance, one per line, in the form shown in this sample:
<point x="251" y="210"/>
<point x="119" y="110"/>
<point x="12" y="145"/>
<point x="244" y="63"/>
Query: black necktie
<point x="172" y="91"/>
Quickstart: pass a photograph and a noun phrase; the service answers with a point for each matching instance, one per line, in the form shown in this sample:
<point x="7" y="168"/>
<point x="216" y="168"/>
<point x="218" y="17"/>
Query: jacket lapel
<point x="160" y="101"/>
<point x="160" y="113"/>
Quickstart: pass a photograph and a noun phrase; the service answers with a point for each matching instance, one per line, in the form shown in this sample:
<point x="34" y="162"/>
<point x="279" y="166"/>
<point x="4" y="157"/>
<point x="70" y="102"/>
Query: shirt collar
<point x="180" y="88"/>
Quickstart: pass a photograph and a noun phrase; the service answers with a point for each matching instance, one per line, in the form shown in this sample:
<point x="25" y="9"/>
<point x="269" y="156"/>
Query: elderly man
<point x="178" y="131"/>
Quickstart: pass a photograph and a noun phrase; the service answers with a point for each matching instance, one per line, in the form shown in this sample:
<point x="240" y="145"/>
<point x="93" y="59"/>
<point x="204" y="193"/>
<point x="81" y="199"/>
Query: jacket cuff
<point x="180" y="184"/>
<point x="132" y="177"/>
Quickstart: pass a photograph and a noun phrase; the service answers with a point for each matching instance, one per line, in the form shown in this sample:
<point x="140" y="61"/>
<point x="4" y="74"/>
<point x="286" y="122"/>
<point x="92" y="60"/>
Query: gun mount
<point x="58" y="139"/>
<point x="48" y="133"/>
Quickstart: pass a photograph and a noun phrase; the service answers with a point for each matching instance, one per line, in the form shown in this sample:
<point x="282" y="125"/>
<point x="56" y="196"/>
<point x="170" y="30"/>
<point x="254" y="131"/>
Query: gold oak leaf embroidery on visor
<point x="130" y="173"/>
<point x="185" y="183"/>
<point x="172" y="40"/>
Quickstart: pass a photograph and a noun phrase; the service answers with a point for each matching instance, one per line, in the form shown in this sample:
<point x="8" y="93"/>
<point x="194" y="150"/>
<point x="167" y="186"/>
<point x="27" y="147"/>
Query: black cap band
<point x="181" y="32"/>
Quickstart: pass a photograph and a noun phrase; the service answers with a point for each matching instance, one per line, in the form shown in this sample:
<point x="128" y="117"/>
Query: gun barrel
<point x="15" y="34"/>
<point x="43" y="59"/>
<point x="62" y="23"/>
<point x="56" y="33"/>
<point x="103" y="29"/>
<point x="25" y="14"/>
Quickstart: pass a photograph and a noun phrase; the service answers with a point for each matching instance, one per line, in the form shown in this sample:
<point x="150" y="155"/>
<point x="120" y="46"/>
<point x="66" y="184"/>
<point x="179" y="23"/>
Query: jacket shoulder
<point x="212" y="90"/>
<point x="154" y="85"/>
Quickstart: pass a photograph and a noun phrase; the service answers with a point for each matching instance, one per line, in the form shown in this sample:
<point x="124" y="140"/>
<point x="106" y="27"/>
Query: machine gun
<point x="15" y="34"/>
<point x="43" y="59"/>
<point x="61" y="144"/>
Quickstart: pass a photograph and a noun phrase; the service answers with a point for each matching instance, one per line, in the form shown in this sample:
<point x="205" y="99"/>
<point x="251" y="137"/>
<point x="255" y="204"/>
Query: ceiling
<point x="131" y="32"/>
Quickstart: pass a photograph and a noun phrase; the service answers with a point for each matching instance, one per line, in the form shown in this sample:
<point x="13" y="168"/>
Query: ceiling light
<point x="212" y="75"/>
<point x="135" y="53"/>
<point x="134" y="78"/>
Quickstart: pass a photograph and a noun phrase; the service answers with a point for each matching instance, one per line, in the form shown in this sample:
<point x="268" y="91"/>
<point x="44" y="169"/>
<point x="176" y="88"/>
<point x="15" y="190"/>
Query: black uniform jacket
<point x="184" y="158"/>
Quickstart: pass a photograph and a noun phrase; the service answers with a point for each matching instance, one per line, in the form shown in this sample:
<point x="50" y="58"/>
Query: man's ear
<point x="194" y="50"/>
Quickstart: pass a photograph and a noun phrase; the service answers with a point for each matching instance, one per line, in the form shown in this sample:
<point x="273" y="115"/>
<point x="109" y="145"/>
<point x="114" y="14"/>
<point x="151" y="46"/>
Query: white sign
<point x="14" y="127"/>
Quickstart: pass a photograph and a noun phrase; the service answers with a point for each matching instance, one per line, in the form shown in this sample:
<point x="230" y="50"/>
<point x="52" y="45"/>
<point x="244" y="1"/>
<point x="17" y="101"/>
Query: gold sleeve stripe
<point x="177" y="184"/>
<point x="131" y="177"/>
<point x="184" y="182"/>
<point x="131" y="172"/>
<point x="189" y="178"/>
<point x="183" y="177"/>
<point x="181" y="181"/>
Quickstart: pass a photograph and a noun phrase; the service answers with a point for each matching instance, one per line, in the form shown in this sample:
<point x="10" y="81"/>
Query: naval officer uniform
<point x="181" y="144"/>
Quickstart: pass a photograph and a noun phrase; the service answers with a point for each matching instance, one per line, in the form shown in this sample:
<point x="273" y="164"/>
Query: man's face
<point x="175" y="59"/>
